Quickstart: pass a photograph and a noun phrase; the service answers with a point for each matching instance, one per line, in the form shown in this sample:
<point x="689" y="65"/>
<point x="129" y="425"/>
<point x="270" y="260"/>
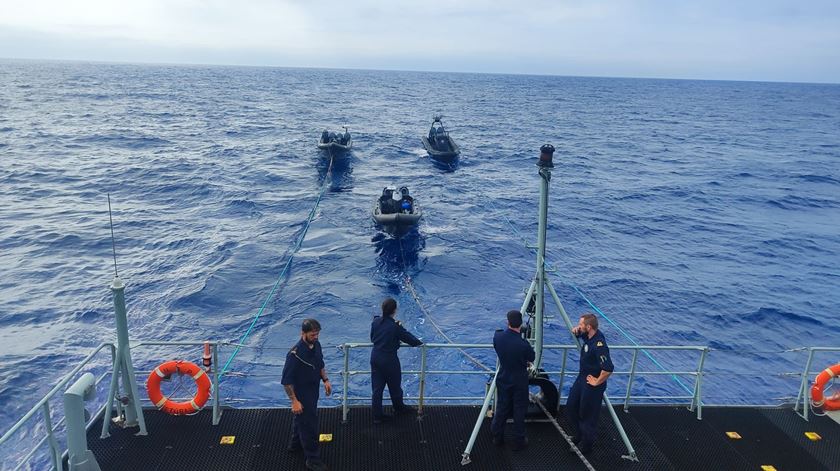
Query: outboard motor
<point x="346" y="137"/>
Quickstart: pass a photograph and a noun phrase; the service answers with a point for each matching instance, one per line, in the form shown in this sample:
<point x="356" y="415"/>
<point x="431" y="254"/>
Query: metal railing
<point x="55" y="453"/>
<point x="693" y="397"/>
<point x="695" y="403"/>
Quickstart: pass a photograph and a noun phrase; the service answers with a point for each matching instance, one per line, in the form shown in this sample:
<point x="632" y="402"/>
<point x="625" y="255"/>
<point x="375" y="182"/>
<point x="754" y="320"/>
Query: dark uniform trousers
<point x="584" y="407"/>
<point x="512" y="402"/>
<point x="514" y="354"/>
<point x="305" y="424"/>
<point x="386" y="370"/>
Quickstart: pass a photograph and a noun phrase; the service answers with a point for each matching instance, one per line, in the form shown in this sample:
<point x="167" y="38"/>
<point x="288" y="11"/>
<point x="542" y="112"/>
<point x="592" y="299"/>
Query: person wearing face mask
<point x="584" y="403"/>
<point x="303" y="370"/>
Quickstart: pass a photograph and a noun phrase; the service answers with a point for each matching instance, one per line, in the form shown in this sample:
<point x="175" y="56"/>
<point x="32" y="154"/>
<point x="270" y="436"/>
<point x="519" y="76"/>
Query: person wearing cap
<point x="515" y="353"/>
<point x="302" y="373"/>
<point x="386" y="333"/>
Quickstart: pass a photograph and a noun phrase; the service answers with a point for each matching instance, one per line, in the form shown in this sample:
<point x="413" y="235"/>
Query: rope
<point x="536" y="400"/>
<point x="295" y="248"/>
<point x="410" y="286"/>
<point x="590" y="303"/>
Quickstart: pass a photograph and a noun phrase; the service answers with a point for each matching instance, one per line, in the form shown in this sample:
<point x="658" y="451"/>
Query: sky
<point x="772" y="40"/>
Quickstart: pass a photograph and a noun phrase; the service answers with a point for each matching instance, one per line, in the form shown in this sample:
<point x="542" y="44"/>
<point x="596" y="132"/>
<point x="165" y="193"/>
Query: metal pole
<point x="133" y="411"/>
<point x="217" y="411"/>
<point x="803" y="386"/>
<point x="422" y="379"/>
<point x="528" y="295"/>
<point x="630" y="381"/>
<point x="545" y="177"/>
<point x="112" y="391"/>
<point x="697" y="385"/>
<point x="346" y="380"/>
<point x="55" y="452"/>
<point x="562" y="373"/>
<point x="465" y="457"/>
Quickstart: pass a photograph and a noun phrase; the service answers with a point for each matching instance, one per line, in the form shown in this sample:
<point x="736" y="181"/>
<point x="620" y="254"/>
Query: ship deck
<point x="665" y="437"/>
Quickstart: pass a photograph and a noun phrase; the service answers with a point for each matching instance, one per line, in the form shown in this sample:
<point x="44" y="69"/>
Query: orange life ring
<point x="202" y="381"/>
<point x="817" y="397"/>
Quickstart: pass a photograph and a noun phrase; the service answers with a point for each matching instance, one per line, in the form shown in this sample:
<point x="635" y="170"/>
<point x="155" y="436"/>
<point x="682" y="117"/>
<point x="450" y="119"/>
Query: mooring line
<point x="410" y="286"/>
<point x="283" y="272"/>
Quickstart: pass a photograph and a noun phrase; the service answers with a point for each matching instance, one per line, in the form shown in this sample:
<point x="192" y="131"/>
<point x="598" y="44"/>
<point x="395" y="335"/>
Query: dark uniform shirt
<point x="594" y="355"/>
<point x="514" y="354"/>
<point x="303" y="369"/>
<point x="386" y="334"/>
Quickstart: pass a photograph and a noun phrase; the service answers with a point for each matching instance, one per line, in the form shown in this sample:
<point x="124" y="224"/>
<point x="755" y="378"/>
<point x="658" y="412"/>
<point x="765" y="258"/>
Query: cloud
<point x="772" y="39"/>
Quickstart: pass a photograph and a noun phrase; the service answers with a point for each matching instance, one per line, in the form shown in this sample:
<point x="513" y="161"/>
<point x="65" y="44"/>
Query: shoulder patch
<point x="599" y="344"/>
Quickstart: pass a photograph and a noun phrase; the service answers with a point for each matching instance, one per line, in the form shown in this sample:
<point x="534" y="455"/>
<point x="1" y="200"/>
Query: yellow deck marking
<point x="325" y="437"/>
<point x="768" y="467"/>
<point x="813" y="436"/>
<point x="733" y="435"/>
<point x="227" y="440"/>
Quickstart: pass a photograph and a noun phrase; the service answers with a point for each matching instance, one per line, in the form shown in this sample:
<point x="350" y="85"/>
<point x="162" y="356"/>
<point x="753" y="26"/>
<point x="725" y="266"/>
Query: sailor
<point x="407" y="202"/>
<point x="386" y="201"/>
<point x="386" y="334"/>
<point x="325" y="136"/>
<point x="303" y="370"/>
<point x="584" y="403"/>
<point x="515" y="354"/>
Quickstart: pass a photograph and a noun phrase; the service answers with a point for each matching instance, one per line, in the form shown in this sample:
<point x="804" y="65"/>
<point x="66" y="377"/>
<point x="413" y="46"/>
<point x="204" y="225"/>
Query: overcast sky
<point x="780" y="40"/>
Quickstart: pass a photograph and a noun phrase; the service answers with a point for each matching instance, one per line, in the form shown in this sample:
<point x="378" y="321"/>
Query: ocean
<point x="686" y="212"/>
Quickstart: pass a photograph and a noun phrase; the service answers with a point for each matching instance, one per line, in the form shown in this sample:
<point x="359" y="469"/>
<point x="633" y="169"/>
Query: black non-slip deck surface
<point x="664" y="438"/>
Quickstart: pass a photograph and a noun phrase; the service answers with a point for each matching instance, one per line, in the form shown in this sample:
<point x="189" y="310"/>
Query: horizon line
<point x="264" y="66"/>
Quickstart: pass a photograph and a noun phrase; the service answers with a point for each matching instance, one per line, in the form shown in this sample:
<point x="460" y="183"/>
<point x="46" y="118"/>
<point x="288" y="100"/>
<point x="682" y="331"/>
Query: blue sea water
<point x="689" y="212"/>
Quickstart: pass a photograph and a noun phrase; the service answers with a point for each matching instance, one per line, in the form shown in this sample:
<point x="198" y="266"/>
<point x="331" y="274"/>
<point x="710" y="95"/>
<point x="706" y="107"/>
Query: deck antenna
<point x="129" y="412"/>
<point x="113" y="242"/>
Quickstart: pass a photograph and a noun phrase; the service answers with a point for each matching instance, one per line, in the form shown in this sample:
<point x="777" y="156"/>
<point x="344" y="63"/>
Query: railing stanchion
<point x="217" y="412"/>
<point x="630" y="380"/>
<point x="346" y="383"/>
<point x="562" y="374"/>
<point x="803" y="387"/>
<point x="698" y="382"/>
<point x="55" y="452"/>
<point x="422" y="379"/>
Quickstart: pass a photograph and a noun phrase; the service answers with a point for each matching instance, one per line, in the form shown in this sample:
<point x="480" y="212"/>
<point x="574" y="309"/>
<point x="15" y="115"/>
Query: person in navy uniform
<point x="515" y="353"/>
<point x="303" y="370"/>
<point x="386" y="334"/>
<point x="584" y="403"/>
